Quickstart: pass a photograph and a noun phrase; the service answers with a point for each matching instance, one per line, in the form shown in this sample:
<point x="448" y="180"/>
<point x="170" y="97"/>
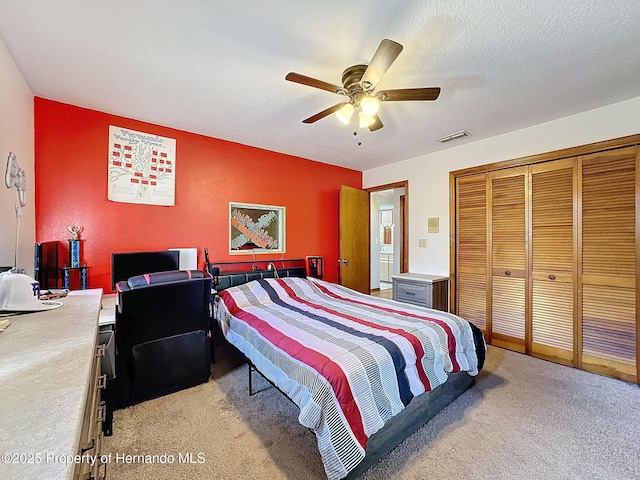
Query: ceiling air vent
<point x="453" y="136"/>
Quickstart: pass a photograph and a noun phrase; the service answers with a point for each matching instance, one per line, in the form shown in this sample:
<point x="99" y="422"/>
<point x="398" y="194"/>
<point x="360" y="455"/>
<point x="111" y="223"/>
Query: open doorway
<point x="388" y="229"/>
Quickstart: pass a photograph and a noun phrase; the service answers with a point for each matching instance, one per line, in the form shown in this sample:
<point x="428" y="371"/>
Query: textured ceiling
<point x="217" y="68"/>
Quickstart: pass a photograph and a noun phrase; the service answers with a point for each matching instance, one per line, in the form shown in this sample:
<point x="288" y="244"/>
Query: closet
<point x="545" y="255"/>
<point x="553" y="254"/>
<point x="472" y="256"/>
<point x="508" y="250"/>
<point x="609" y="255"/>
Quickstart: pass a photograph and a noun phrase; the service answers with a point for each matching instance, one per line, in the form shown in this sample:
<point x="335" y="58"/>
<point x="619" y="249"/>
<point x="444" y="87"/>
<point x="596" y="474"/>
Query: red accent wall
<point x="71" y="147"/>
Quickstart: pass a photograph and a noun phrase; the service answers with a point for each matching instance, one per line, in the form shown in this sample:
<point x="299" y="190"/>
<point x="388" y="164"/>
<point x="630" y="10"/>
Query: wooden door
<point x="471" y="250"/>
<point x="609" y="256"/>
<point x="553" y="266"/>
<point x="354" y="262"/>
<point x="509" y="256"/>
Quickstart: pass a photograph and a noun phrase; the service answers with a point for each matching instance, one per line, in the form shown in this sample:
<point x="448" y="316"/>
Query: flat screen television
<point x="129" y="264"/>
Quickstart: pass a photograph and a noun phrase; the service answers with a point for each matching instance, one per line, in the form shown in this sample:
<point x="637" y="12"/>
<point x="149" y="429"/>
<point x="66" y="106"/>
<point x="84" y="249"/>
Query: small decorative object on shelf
<point x="74" y="246"/>
<point x="75" y="232"/>
<point x="75" y="263"/>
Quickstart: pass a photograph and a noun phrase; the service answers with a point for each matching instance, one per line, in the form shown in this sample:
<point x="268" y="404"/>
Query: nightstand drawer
<point x="414" y="293"/>
<point x="429" y="291"/>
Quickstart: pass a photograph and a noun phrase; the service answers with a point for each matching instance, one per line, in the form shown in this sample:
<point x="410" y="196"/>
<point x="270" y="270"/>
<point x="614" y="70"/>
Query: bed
<point x="365" y="372"/>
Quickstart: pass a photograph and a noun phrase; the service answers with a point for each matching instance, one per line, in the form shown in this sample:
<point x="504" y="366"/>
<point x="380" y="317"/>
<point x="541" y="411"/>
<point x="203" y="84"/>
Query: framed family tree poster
<point x="142" y="167"/>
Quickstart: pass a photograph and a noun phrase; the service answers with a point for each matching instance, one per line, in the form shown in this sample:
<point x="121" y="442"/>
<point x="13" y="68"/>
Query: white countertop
<point x="108" y="311"/>
<point x="45" y="370"/>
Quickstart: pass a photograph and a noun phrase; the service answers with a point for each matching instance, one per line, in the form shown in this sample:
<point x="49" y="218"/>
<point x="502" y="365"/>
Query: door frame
<point x="404" y="224"/>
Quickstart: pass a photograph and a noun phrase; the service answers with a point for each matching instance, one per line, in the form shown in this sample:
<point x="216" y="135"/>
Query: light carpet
<point x="525" y="418"/>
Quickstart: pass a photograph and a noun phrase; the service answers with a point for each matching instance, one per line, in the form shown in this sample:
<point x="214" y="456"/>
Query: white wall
<point x="16" y="135"/>
<point x="428" y="175"/>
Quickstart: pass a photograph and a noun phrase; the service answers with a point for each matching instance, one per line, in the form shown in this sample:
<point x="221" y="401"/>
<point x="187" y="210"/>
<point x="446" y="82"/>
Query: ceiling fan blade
<point x="376" y="125"/>
<point x="385" y="55"/>
<point x="312" y="82"/>
<point x="404" y="94"/>
<point x="324" y="113"/>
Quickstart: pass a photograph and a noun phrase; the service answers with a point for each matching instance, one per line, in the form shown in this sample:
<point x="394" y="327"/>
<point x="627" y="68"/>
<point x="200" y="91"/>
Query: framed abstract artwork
<point x="256" y="228"/>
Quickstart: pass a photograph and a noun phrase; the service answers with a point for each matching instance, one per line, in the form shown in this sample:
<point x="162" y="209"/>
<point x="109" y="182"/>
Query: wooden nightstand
<point x="429" y="291"/>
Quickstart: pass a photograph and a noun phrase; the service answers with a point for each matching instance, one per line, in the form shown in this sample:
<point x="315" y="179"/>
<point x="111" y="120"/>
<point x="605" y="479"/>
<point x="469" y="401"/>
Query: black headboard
<point x="230" y="274"/>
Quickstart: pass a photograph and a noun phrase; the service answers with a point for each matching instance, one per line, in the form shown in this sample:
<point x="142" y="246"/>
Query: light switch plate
<point x="433" y="224"/>
<point x="422" y="242"/>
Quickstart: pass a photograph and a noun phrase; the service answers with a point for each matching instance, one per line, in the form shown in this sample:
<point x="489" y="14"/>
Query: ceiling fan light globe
<point x="369" y="105"/>
<point x="365" y="120"/>
<point x="345" y="113"/>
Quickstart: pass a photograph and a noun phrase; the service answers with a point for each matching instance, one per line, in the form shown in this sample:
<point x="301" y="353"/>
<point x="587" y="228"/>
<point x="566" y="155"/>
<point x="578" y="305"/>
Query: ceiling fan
<point x="358" y="85"/>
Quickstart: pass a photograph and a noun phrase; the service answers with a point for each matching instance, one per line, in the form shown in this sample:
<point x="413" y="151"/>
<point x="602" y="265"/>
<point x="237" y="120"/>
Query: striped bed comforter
<point x="348" y="360"/>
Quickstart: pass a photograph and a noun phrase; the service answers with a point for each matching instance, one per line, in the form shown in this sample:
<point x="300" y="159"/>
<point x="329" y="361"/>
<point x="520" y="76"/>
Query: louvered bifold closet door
<point x="553" y="267"/>
<point x="508" y="219"/>
<point x="471" y="255"/>
<point x="608" y="252"/>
